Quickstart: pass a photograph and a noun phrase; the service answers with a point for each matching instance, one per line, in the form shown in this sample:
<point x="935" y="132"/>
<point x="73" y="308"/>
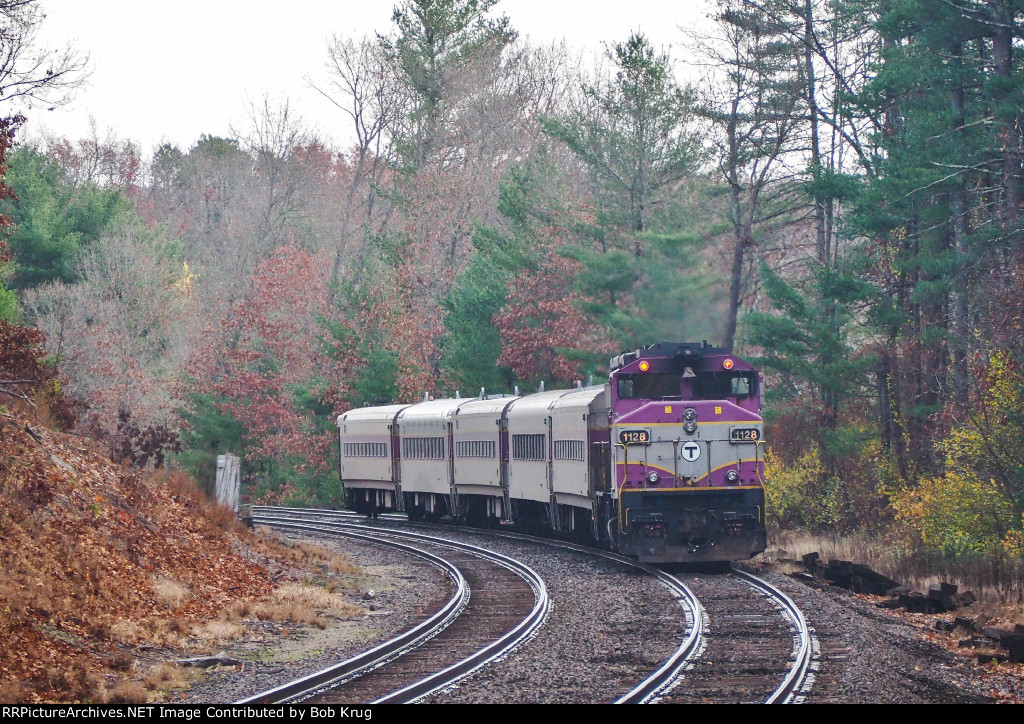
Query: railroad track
<point x="800" y="676"/>
<point x="758" y="647"/>
<point x="749" y="623"/>
<point x="498" y="603"/>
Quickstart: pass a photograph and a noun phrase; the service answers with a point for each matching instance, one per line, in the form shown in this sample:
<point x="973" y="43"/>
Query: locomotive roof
<point x="677" y="352"/>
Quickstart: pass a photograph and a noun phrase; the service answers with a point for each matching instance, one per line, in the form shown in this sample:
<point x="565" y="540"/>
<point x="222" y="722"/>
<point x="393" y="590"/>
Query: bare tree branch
<point x="30" y="73"/>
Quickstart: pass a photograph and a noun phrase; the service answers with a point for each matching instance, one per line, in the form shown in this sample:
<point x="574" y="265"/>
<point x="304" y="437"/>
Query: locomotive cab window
<point x="648" y="386"/>
<point x="719" y="385"/>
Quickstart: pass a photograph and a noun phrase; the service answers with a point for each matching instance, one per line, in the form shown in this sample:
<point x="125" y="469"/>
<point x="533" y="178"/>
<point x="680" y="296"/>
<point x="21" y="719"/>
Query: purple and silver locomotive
<point x="664" y="463"/>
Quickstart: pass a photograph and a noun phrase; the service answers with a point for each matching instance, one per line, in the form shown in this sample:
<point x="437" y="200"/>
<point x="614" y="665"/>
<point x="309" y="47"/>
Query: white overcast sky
<point x="171" y="71"/>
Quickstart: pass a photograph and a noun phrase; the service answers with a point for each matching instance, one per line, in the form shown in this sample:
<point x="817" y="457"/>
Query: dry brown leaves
<point x="1002" y="682"/>
<point x="97" y="559"/>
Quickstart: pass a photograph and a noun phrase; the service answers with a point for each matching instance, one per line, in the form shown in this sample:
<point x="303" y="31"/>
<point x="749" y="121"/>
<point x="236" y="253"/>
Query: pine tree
<point x="433" y="39"/>
<point x="638" y="141"/>
<point x="754" y="109"/>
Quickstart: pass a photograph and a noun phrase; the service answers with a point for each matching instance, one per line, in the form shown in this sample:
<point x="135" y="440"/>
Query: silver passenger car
<point x="367" y="462"/>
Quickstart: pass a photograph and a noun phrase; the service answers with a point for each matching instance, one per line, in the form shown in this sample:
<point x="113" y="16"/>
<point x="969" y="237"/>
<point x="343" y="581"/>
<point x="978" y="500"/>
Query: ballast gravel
<point x="607" y="629"/>
<point x="869" y="655"/>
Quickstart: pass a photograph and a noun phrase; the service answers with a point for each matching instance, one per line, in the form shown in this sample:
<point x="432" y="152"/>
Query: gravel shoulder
<point x="405" y="589"/>
<point x="608" y="628"/>
<point x="872" y="655"/>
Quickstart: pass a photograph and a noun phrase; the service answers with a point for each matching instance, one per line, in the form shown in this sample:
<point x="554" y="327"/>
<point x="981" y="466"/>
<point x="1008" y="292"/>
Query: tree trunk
<point x="1002" y="55"/>
<point x="735" y="283"/>
<point x="736" y="211"/>
<point x="958" y="308"/>
<point x="812" y="109"/>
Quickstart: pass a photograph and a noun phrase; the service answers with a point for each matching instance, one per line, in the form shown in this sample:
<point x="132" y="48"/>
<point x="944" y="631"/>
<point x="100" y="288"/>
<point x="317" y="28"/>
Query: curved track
<point x="799" y="678"/>
<point x="752" y="638"/>
<point x="501" y="602"/>
<point x="758" y="646"/>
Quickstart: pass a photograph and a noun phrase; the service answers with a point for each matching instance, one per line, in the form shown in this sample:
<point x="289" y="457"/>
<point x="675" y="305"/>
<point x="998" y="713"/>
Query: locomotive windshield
<point x="719" y="385"/>
<point x="705" y="386"/>
<point x="650" y="386"/>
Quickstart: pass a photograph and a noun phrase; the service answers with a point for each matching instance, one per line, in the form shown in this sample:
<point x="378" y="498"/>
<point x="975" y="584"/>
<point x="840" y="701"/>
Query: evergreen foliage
<point x="53" y="219"/>
<point x="637" y="141"/>
<point x="472" y="345"/>
<point x="434" y="39"/>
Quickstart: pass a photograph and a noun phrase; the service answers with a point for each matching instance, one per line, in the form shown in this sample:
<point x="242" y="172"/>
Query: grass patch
<point x="299" y="603"/>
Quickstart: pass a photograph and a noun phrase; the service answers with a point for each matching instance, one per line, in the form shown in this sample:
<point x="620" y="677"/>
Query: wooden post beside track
<point x="228" y="468"/>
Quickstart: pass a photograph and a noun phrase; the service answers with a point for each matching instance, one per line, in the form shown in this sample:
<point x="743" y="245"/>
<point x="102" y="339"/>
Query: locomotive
<point x="663" y="463"/>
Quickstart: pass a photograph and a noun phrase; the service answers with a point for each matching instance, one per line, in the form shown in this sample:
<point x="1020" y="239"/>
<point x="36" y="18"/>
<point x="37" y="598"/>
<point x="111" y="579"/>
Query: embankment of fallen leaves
<point x="97" y="558"/>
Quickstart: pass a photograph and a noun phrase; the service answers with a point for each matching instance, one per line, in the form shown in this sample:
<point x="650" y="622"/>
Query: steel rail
<point x="658" y="680"/>
<point x="670" y="671"/>
<point x="489" y="653"/>
<point x="787" y="691"/>
<point x="271" y="509"/>
<point x="382" y="653"/>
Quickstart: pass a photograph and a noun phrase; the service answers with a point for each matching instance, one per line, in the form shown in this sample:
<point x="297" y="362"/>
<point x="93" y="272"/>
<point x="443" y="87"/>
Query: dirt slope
<point x="100" y="562"/>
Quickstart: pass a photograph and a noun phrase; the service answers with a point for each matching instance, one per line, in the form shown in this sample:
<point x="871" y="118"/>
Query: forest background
<point x="838" y="198"/>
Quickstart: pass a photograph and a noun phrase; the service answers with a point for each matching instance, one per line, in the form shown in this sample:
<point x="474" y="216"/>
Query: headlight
<point x="732" y="476"/>
<point x="653" y="477"/>
<point x="690" y="414"/>
<point x="689" y="427"/>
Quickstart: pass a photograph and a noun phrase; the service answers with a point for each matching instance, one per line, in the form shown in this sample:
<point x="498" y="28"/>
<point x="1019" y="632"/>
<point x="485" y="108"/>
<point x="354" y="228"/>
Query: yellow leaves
<point x="1013" y="541"/>
<point x="958" y="512"/>
<point x="806" y="494"/>
<point x="969" y="508"/>
<point x="791" y="492"/>
<point x="1002" y="392"/>
<point x="185" y="282"/>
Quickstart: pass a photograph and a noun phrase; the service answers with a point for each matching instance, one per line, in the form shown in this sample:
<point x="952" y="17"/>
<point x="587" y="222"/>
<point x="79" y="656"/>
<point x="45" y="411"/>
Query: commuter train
<point x="664" y="463"/>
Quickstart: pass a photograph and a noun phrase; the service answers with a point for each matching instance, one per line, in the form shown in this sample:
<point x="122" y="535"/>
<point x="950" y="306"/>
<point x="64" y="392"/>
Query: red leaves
<point x="540" y="320"/>
<point x="266" y="349"/>
<point x="138" y="445"/>
<point x="288" y="293"/>
<point x="8" y="127"/>
<point x="21" y="352"/>
<point x="110" y="161"/>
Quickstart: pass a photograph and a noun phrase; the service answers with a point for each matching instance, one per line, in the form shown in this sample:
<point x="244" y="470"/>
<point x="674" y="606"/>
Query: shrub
<point x="956" y="513"/>
<point x="24" y="375"/>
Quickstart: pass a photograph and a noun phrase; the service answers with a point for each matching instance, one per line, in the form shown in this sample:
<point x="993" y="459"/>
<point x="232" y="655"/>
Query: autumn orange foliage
<point x="264" y="348"/>
<point x="24" y="376"/>
<point x="86" y="548"/>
